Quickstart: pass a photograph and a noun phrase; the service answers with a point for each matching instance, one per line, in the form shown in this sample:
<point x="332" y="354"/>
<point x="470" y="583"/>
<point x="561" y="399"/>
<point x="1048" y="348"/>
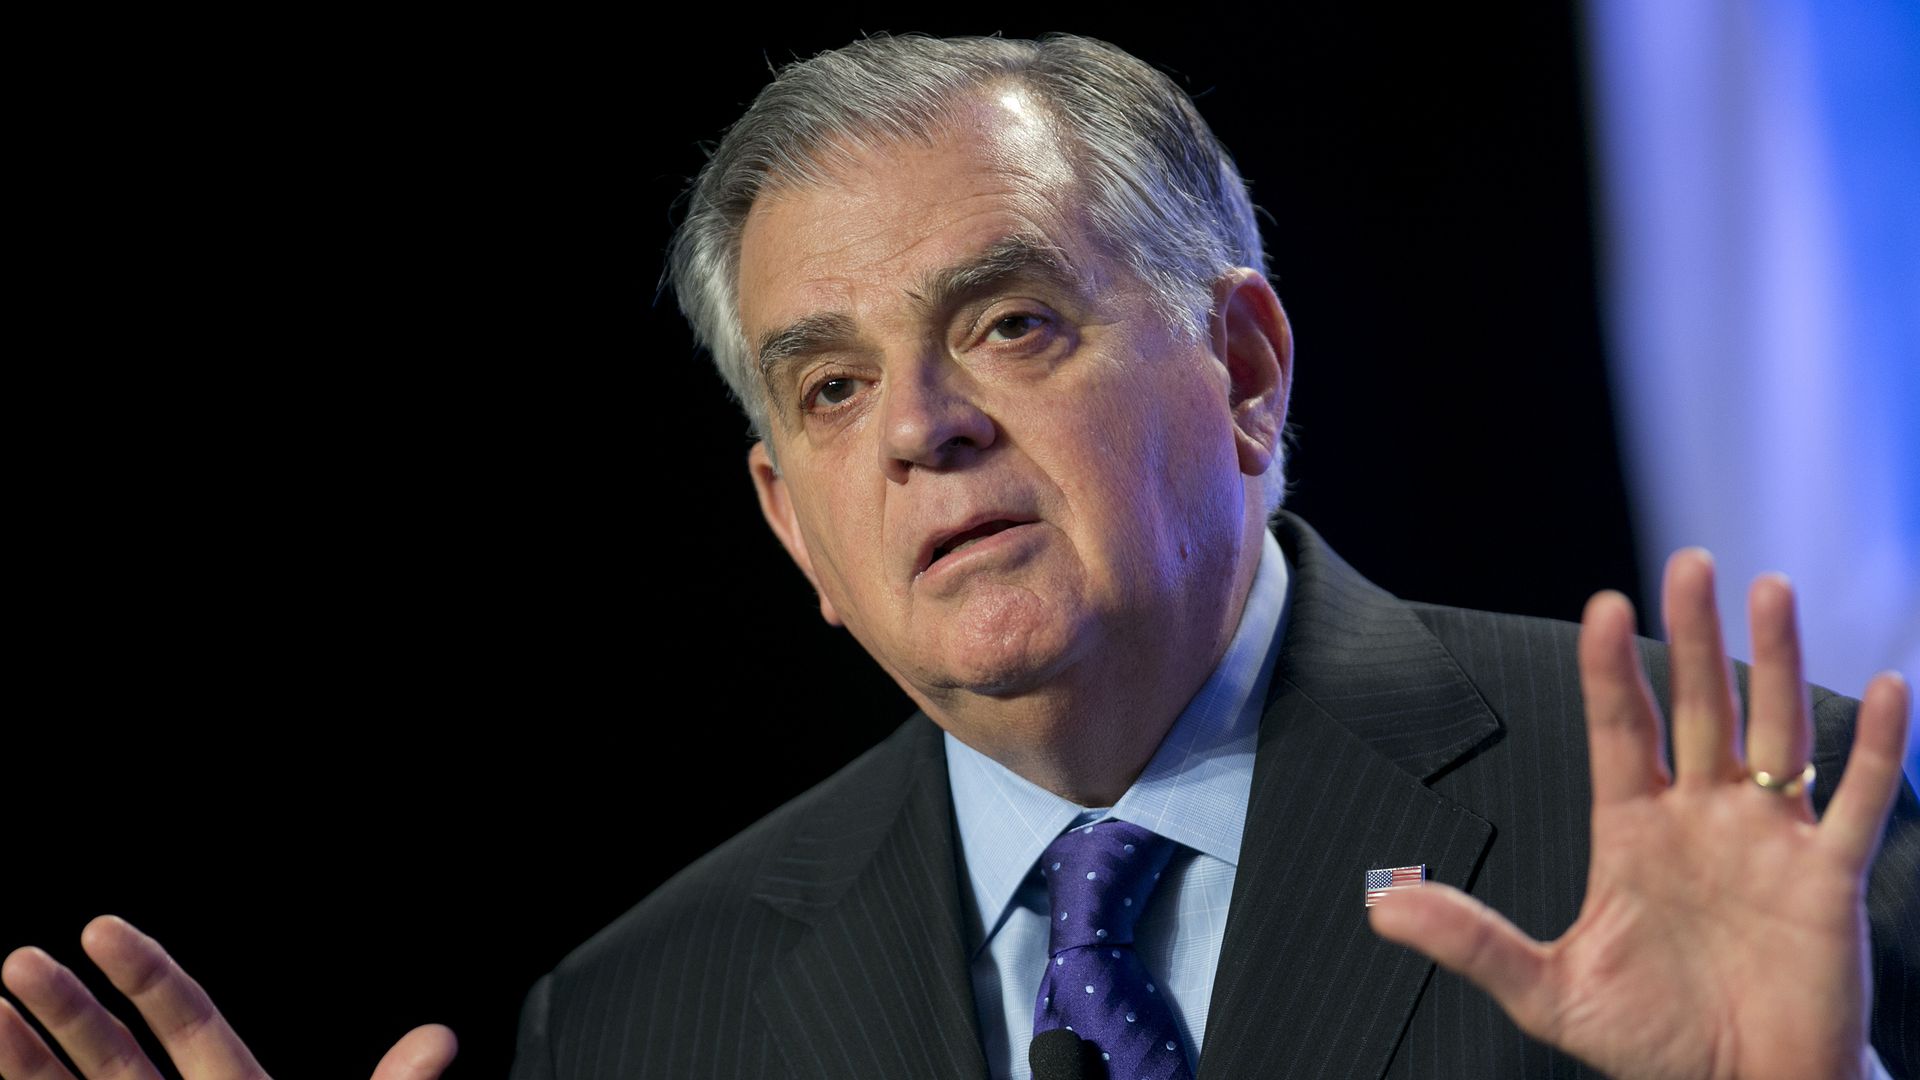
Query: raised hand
<point x="1724" y="932"/>
<point x="197" y="1039"/>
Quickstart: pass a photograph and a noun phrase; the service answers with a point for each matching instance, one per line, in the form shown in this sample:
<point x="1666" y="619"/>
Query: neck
<point x="1087" y="734"/>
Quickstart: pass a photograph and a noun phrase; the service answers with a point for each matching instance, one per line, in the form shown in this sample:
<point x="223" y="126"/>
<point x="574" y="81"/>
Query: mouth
<point x="965" y="538"/>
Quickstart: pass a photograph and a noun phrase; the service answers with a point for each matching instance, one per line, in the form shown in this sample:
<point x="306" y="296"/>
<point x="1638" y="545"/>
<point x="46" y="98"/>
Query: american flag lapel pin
<point x="1382" y="882"/>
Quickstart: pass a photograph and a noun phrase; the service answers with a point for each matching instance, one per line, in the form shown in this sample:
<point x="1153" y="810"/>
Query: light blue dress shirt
<point x="1193" y="791"/>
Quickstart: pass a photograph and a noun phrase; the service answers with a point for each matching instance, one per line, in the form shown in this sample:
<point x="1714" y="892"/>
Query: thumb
<point x="421" y="1054"/>
<point x="1469" y="938"/>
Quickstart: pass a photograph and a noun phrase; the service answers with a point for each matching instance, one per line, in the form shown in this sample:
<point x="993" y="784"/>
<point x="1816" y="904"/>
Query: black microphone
<point x="1059" y="1055"/>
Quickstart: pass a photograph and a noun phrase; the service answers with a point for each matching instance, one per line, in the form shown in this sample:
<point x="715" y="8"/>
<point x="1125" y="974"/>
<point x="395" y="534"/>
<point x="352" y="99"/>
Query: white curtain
<point x="1758" y="166"/>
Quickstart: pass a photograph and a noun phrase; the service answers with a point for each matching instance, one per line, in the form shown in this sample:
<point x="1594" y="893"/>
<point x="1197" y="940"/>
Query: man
<point x="997" y="314"/>
<point x="995" y="311"/>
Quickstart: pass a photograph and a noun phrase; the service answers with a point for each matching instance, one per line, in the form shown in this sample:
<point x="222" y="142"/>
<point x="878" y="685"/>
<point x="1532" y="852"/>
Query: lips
<point x="960" y="540"/>
<point x="953" y="540"/>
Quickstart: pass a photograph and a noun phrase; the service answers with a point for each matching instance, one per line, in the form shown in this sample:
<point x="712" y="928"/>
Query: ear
<point x="1252" y="337"/>
<point x="777" y="507"/>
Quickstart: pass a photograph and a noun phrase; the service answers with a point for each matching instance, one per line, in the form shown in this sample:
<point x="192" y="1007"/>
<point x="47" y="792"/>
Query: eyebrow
<point x="812" y="334"/>
<point x="1018" y="256"/>
<point x="1015" y="257"/>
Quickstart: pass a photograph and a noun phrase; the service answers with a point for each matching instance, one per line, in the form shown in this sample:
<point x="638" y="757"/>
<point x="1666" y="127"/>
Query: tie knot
<point x="1099" y="877"/>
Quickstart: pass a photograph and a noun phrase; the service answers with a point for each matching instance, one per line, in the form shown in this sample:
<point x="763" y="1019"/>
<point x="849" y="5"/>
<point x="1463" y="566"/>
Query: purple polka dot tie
<point x="1099" y="877"/>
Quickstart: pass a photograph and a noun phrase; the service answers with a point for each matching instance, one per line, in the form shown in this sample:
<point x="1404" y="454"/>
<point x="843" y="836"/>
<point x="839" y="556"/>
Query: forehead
<point x="888" y="215"/>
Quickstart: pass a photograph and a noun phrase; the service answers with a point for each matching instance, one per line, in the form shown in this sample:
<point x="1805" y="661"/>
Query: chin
<point x="1005" y="648"/>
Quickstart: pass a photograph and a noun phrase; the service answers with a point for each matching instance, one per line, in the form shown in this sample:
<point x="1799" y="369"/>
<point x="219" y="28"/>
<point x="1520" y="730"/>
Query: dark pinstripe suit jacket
<point x="825" y="940"/>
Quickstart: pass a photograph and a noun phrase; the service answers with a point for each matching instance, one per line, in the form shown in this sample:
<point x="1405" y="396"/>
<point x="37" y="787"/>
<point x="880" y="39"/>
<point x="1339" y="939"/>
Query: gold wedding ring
<point x="1789" y="787"/>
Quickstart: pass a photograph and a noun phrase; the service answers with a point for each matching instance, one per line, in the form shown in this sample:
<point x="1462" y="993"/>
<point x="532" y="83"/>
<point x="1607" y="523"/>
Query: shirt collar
<point x="1194" y="789"/>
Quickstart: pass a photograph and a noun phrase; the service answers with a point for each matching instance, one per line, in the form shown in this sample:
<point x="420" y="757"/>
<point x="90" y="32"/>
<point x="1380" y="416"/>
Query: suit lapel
<point x="1365" y="705"/>
<point x="879" y="986"/>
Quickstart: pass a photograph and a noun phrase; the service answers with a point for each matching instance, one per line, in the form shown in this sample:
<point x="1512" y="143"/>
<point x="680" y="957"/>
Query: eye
<point x="1015" y="326"/>
<point x="835" y="391"/>
<point x="831" y="393"/>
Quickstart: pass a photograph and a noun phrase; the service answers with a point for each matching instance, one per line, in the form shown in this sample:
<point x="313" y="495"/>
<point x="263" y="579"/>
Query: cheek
<point x="1183" y="488"/>
<point x="844" y="539"/>
<point x="1150" y="479"/>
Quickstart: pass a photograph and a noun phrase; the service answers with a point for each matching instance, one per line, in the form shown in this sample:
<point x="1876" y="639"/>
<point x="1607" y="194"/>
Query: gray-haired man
<point x="997" y="312"/>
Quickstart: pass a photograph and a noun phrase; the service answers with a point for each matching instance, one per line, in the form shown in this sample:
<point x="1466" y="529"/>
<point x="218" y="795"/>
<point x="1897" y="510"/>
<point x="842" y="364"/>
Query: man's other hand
<point x="1724" y="932"/>
<point x="196" y="1037"/>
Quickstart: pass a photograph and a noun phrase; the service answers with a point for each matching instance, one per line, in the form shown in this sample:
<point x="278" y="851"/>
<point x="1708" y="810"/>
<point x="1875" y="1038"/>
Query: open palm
<point x="1723" y="932"/>
<point x="198" y="1040"/>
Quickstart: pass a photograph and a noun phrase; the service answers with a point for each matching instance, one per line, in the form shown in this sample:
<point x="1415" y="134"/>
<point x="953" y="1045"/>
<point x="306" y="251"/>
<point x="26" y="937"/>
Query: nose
<point x="930" y="419"/>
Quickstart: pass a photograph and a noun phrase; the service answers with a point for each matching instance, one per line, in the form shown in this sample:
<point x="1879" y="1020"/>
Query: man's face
<point x="996" y="463"/>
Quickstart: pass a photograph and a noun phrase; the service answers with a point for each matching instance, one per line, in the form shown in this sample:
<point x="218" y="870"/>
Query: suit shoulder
<point x="715" y="894"/>
<point x="664" y="989"/>
<point x="1482" y="639"/>
<point x="1487" y="643"/>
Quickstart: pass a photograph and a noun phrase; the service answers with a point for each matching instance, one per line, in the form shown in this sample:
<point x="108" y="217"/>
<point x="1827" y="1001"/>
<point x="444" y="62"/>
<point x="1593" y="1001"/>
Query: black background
<point x="396" y="609"/>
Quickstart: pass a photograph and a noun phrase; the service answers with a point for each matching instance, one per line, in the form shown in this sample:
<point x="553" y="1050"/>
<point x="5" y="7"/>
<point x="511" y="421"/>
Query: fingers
<point x="1471" y="939"/>
<point x="181" y="1015"/>
<point x="421" y="1054"/>
<point x="1705" y="739"/>
<point x="1779" y="733"/>
<point x="1623" y="723"/>
<point x="1857" y="815"/>
<point x="98" y="1043"/>
<point x="22" y="1055"/>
